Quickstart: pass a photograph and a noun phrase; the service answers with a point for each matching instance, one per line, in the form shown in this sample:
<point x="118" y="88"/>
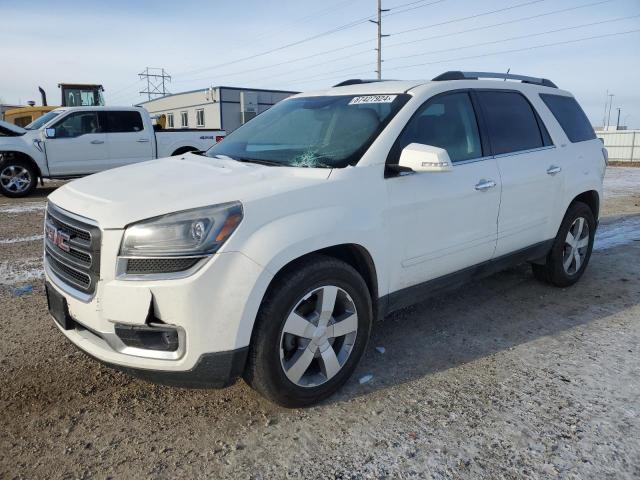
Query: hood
<point x="10" y="130"/>
<point x="118" y="197"/>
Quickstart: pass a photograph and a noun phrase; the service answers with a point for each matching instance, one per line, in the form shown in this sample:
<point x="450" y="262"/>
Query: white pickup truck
<point x="77" y="141"/>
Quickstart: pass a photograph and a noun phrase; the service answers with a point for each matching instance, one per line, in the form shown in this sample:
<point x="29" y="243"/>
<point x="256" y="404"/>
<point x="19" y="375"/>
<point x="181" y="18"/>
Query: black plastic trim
<point x="417" y="293"/>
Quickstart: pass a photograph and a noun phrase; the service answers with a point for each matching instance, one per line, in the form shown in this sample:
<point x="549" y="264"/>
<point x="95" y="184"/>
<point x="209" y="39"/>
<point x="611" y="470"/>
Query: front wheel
<point x="17" y="177"/>
<point x="571" y="250"/>
<point x="310" y="333"/>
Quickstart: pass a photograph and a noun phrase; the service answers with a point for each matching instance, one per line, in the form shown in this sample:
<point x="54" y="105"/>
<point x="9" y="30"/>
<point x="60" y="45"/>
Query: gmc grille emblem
<point x="58" y="238"/>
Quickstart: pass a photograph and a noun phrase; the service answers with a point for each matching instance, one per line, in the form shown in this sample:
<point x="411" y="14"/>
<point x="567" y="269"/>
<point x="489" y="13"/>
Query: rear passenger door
<point x="127" y="140"/>
<point x="530" y="170"/>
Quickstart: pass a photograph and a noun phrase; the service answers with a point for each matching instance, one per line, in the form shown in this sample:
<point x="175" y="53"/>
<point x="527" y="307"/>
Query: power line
<point x="477" y="15"/>
<point x="507" y="22"/>
<point x="566" y="42"/>
<point x="156" y="78"/>
<point x="519" y="37"/>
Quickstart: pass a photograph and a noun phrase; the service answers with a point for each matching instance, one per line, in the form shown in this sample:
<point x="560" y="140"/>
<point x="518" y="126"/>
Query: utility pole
<point x="604" y="115"/>
<point x="156" y="85"/>
<point x="618" y="121"/>
<point x="380" y="35"/>
<point x="611" y="95"/>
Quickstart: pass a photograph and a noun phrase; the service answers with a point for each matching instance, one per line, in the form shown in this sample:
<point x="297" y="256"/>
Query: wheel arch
<point x="22" y="156"/>
<point x="591" y="198"/>
<point x="184" y="149"/>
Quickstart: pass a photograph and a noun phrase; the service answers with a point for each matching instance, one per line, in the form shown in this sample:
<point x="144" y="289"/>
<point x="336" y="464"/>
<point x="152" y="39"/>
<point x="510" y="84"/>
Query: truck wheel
<point x="18" y="178"/>
<point x="571" y="250"/>
<point x="311" y="330"/>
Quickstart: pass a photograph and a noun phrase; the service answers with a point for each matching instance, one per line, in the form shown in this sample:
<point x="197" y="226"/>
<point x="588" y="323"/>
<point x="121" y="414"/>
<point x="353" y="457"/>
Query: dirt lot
<point x="506" y="378"/>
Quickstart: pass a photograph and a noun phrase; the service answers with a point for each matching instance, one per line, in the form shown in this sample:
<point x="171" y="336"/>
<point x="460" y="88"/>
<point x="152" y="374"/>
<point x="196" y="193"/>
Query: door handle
<point x="97" y="142"/>
<point x="553" y="169"/>
<point x="143" y="140"/>
<point x="483" y="185"/>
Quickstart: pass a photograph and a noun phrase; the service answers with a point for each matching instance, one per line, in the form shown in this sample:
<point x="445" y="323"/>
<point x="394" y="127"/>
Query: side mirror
<point x="425" y="158"/>
<point x="50" y="133"/>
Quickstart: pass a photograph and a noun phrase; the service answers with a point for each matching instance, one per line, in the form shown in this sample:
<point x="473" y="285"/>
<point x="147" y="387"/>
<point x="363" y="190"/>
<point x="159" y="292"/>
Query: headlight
<point x="177" y="241"/>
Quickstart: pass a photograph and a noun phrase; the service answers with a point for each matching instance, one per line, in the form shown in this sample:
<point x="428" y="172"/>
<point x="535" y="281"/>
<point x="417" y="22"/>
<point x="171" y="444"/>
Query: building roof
<point x="219" y="87"/>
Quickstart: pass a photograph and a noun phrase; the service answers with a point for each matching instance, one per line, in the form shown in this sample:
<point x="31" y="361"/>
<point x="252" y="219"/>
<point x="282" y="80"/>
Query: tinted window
<point x="570" y="116"/>
<point x="511" y="121"/>
<point x="76" y="124"/>
<point x="121" y="122"/>
<point x="447" y="122"/>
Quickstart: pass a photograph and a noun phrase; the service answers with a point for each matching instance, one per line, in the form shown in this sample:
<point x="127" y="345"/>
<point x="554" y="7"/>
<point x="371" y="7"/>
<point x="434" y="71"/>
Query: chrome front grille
<point x="72" y="250"/>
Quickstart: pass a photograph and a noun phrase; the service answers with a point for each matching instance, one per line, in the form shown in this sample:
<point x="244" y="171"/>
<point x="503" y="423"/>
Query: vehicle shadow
<point x="487" y="317"/>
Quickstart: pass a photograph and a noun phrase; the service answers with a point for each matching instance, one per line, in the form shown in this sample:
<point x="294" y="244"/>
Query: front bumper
<point x="213" y="310"/>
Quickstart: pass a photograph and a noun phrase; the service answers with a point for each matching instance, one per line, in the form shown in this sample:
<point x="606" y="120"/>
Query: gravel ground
<point x="506" y="378"/>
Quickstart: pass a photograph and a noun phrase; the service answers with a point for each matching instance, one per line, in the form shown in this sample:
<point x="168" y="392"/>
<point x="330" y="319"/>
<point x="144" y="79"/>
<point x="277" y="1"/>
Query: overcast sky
<point x="205" y="43"/>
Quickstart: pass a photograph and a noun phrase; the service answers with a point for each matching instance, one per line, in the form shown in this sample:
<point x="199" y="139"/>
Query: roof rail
<point x="458" y="75"/>
<point x="357" y="81"/>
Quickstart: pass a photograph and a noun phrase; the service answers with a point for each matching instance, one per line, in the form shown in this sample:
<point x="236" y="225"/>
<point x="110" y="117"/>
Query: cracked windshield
<point x="319" y="132"/>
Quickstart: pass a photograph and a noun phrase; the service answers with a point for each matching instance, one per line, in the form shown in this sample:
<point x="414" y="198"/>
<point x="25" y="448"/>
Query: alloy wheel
<point x="15" y="178"/>
<point x="576" y="245"/>
<point x="318" y="336"/>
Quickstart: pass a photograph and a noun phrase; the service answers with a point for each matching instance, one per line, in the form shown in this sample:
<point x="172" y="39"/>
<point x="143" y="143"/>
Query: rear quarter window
<point x="570" y="116"/>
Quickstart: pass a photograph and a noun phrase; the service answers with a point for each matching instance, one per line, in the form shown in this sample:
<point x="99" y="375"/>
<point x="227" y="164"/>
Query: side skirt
<point x="417" y="293"/>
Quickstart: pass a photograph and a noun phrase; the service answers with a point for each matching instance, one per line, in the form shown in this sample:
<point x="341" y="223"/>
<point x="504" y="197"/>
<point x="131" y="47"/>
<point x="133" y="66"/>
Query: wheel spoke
<point x="299" y="326"/>
<point x="570" y="240"/>
<point x="580" y="227"/>
<point x="576" y="256"/>
<point x="343" y="327"/>
<point x="568" y="261"/>
<point x="299" y="365"/>
<point x="583" y="243"/>
<point x="327" y="303"/>
<point x="330" y="364"/>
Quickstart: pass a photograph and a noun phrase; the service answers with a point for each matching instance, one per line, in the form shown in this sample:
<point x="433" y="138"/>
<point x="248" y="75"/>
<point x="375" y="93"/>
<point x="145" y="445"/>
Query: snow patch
<point x="21" y="271"/>
<point x="32" y="238"/>
<point x="23" y="208"/>
<point x="621" y="182"/>
<point x="616" y="234"/>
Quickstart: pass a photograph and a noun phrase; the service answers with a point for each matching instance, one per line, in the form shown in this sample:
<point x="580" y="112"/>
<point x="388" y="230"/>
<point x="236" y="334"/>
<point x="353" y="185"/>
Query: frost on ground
<point x="20" y="271"/>
<point x="616" y="234"/>
<point x="31" y="238"/>
<point x="23" y="208"/>
<point x="621" y="182"/>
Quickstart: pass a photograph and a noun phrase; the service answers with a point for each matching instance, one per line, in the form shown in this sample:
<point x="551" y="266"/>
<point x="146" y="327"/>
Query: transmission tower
<point x="157" y="79"/>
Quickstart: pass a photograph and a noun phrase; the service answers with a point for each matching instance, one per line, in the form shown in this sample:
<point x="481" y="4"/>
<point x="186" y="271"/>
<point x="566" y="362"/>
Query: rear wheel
<point x="310" y="333"/>
<point x="18" y="177"/>
<point x="571" y="250"/>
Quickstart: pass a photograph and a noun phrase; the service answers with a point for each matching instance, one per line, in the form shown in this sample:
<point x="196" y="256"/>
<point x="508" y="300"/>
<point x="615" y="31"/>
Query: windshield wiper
<point x="270" y="163"/>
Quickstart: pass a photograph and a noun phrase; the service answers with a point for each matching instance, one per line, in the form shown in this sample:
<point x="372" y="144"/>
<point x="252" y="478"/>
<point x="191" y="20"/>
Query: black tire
<point x="264" y="371"/>
<point x="11" y="163"/>
<point x="554" y="271"/>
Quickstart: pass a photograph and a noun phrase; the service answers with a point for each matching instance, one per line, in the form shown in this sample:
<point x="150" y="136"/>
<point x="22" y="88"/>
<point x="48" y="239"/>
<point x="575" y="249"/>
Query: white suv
<point x="270" y="255"/>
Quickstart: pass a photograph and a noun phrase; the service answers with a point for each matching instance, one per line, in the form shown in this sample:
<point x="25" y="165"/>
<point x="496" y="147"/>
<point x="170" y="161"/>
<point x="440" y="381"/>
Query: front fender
<point x="24" y="146"/>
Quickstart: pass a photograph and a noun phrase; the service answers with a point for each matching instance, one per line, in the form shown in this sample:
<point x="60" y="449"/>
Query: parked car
<point x="270" y="256"/>
<point x="77" y="141"/>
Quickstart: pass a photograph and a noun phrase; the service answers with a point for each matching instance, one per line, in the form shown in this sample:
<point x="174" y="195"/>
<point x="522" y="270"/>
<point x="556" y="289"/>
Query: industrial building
<point x="224" y="108"/>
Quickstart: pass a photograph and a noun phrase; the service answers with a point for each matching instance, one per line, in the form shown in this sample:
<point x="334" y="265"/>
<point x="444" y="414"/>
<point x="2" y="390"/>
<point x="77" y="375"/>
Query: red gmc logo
<point x="58" y="238"/>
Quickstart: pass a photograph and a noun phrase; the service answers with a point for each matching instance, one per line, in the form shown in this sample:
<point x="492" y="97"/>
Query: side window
<point x="184" y="119"/>
<point x="570" y="116"/>
<point x="169" y="120"/>
<point x="448" y="122"/>
<point x="123" y="122"/>
<point x="76" y="124"/>
<point x="200" y="117"/>
<point x="511" y="122"/>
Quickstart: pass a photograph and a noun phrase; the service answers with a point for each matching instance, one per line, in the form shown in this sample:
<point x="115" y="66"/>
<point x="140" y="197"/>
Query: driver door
<point x="78" y="147"/>
<point x="443" y="222"/>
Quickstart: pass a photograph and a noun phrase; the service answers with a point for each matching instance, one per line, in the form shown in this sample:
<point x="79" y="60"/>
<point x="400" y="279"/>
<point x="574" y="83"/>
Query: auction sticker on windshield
<point x="372" y="99"/>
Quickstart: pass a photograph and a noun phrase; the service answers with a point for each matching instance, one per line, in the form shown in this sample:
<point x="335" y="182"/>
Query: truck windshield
<point x="326" y="131"/>
<point x="40" y="121"/>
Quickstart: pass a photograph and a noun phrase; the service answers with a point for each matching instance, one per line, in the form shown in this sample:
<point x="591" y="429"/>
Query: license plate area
<point x="58" y="308"/>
